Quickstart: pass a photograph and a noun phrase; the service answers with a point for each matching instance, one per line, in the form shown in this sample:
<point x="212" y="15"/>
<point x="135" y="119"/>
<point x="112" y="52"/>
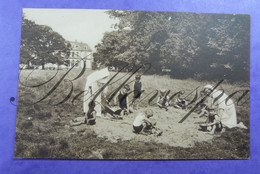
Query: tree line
<point x="41" y="45"/>
<point x="190" y="45"/>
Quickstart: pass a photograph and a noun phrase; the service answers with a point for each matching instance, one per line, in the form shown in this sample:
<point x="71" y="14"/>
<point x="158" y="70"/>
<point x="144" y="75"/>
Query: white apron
<point x="94" y="82"/>
<point x="229" y="116"/>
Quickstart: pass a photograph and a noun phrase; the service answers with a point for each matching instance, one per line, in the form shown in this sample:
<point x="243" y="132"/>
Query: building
<point x="80" y="53"/>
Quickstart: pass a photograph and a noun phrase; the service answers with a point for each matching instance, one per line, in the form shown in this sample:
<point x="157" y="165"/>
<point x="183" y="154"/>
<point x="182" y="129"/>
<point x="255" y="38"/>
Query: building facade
<point x="80" y="53"/>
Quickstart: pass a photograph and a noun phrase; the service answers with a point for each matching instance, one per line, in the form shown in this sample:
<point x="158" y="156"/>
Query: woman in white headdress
<point x="225" y="107"/>
<point x="94" y="82"/>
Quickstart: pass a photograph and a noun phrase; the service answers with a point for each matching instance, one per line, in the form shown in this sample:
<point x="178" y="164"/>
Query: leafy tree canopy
<point x="41" y="45"/>
<point x="202" y="46"/>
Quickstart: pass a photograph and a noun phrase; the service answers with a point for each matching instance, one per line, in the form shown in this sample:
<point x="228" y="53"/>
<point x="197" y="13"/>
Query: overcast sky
<point x="74" y="24"/>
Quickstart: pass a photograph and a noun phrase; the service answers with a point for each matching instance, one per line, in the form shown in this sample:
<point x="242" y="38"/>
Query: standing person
<point x="94" y="82"/>
<point x="137" y="92"/>
<point x="122" y="99"/>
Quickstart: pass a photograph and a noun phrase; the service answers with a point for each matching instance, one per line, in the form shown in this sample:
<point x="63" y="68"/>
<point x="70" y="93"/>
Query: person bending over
<point x="213" y="122"/>
<point x="123" y="101"/>
<point x="143" y="125"/>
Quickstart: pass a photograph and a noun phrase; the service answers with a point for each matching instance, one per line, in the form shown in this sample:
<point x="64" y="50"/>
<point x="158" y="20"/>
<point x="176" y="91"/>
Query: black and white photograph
<point x="137" y="85"/>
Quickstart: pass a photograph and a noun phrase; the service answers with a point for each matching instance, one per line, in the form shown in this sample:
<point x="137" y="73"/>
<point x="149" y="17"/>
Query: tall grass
<point x="47" y="134"/>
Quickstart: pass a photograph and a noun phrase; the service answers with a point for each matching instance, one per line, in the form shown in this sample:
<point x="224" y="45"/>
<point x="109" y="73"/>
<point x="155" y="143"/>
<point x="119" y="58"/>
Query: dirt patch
<point x="175" y="134"/>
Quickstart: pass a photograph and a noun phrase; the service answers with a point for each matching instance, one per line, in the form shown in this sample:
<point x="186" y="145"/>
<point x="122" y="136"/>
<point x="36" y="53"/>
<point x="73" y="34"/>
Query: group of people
<point x="164" y="102"/>
<point x="95" y="81"/>
<point x="220" y="113"/>
<point x="219" y="109"/>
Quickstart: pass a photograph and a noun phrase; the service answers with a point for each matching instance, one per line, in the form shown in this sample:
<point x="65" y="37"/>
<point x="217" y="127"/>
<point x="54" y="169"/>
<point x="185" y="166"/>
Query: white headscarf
<point x="97" y="75"/>
<point x="208" y="87"/>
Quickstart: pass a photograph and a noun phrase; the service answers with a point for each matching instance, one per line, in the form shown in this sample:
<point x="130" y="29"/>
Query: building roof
<point x="79" y="46"/>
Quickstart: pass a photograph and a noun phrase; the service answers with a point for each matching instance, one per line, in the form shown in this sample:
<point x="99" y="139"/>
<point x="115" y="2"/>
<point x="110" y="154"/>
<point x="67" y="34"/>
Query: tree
<point x="203" y="46"/>
<point x="41" y="45"/>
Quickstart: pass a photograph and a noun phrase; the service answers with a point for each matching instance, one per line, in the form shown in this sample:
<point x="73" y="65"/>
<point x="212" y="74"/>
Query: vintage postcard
<point x="114" y="84"/>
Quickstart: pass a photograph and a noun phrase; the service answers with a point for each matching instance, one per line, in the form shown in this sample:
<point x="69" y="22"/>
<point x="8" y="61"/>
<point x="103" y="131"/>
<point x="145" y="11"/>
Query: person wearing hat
<point x="142" y="122"/>
<point x="123" y="101"/>
<point x="163" y="99"/>
<point x="137" y="92"/>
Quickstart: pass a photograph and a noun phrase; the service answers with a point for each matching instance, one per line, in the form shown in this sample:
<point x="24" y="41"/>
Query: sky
<point x="81" y="25"/>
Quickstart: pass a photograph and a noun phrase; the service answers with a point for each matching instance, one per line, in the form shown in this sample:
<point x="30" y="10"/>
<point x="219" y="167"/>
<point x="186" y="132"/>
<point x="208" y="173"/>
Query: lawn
<point x="43" y="131"/>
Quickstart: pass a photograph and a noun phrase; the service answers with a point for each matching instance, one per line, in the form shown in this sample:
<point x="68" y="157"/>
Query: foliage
<point x="41" y="45"/>
<point x="191" y="45"/>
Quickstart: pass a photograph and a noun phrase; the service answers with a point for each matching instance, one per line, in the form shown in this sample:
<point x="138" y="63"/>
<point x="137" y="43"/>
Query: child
<point x="115" y="114"/>
<point x="163" y="99"/>
<point x="213" y="122"/>
<point x="180" y="102"/>
<point x="123" y="101"/>
<point x="91" y="114"/>
<point x="143" y="125"/>
<point x="90" y="119"/>
<point x="202" y="110"/>
<point x="137" y="92"/>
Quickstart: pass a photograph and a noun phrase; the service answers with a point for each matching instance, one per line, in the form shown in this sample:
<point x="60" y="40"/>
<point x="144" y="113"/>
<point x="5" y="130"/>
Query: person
<point x="91" y="114"/>
<point x="213" y="122"/>
<point x="89" y="118"/>
<point x="123" y="101"/>
<point x="225" y="109"/>
<point x="143" y="125"/>
<point x="114" y="114"/>
<point x="202" y="111"/>
<point x="163" y="99"/>
<point x="180" y="102"/>
<point x="137" y="92"/>
<point x="93" y="84"/>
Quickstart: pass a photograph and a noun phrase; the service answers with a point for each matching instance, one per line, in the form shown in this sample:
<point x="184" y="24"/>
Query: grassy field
<point x="42" y="129"/>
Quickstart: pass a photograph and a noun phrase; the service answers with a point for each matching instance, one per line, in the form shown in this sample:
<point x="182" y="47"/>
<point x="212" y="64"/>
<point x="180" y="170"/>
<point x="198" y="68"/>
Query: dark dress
<point x="122" y="100"/>
<point x="90" y="116"/>
<point x="218" y="125"/>
<point x="137" y="89"/>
